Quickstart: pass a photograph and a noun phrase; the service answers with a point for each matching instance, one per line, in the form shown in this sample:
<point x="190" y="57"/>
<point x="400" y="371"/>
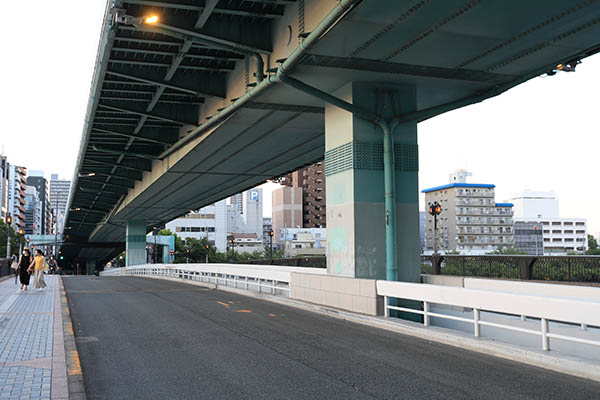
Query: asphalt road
<point x="141" y="338"/>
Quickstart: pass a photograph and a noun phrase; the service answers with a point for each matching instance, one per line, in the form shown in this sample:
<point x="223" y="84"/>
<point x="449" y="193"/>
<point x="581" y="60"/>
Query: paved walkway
<point x="32" y="355"/>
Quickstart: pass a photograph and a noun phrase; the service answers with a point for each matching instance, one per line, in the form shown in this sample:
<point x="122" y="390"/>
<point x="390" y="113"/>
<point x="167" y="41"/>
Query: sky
<point x="541" y="135"/>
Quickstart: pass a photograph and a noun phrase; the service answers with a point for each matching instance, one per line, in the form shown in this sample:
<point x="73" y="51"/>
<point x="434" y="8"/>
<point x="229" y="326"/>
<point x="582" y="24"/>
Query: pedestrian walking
<point x="25" y="260"/>
<point x="38" y="264"/>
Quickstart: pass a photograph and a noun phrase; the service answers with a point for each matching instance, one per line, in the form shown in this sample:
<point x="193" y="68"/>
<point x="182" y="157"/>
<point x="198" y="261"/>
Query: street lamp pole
<point x="8" y="223"/>
<point x="56" y="227"/>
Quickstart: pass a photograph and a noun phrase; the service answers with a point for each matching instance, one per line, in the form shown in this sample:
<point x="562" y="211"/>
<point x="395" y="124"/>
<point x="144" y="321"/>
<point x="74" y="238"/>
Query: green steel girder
<point x="86" y="180"/>
<point x="199" y="84"/>
<point x="166" y="64"/>
<point x="225" y="9"/>
<point x="182" y="116"/>
<point x="221" y="59"/>
<point x="147" y="134"/>
<point x="135" y="165"/>
<point x="118" y="151"/>
<point x="107" y="171"/>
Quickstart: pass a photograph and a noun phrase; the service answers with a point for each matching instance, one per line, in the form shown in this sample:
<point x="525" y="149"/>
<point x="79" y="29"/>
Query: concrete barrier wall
<point x="589" y="293"/>
<point x="356" y="295"/>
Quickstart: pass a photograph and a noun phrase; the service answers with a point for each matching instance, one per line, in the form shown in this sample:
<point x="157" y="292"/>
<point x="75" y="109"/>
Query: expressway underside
<point x="180" y="115"/>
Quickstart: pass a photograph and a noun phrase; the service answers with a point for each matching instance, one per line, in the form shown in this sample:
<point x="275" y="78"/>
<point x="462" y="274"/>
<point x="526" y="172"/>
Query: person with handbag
<point x="38" y="264"/>
<point x="25" y="260"/>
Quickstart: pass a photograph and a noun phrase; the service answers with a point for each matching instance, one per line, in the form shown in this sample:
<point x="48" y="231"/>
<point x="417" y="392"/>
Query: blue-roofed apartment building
<point x="471" y="221"/>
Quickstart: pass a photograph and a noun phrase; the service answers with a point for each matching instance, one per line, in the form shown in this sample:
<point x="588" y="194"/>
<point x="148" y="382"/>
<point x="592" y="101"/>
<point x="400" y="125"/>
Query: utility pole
<point x="8" y="223"/>
<point x="435" y="209"/>
<point x="56" y="228"/>
<point x="271" y="245"/>
<point x="233" y="250"/>
<point x="20" y="240"/>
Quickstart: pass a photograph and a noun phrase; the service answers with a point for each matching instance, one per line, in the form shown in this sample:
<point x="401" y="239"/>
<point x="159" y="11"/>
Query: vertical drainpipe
<point x="391" y="246"/>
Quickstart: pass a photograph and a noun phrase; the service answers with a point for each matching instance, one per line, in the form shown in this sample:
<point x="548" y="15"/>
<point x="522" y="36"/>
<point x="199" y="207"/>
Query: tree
<point x="15" y="238"/>
<point x="508" y="251"/>
<point x="592" y="242"/>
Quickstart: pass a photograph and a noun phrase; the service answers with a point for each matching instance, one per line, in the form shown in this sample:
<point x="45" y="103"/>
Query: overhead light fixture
<point x="151" y="20"/>
<point x="120" y="17"/>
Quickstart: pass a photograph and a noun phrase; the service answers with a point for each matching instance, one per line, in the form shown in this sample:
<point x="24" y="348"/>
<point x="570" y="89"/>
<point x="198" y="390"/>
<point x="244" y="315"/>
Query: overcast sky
<point x="542" y="135"/>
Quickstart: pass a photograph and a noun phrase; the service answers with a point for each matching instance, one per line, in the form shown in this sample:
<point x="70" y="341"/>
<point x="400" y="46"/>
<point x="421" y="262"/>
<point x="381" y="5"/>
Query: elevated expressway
<point x="220" y="95"/>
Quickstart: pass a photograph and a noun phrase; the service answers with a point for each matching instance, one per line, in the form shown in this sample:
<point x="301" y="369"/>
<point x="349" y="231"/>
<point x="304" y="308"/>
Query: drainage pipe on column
<point x="334" y="16"/>
<point x="391" y="247"/>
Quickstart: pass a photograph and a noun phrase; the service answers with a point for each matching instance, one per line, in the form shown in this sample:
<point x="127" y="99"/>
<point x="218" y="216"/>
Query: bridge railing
<point x="543" y="308"/>
<point x="262" y="279"/>
<point x="584" y="269"/>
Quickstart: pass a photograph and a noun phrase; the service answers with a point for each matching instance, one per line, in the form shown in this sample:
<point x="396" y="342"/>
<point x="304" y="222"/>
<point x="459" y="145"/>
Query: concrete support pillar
<point x="136" y="243"/>
<point x="356" y="217"/>
<point x="90" y="267"/>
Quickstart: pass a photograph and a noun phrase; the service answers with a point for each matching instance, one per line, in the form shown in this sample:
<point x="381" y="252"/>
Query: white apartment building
<point x="208" y="222"/>
<point x="303" y="241"/>
<point x="471" y="221"/>
<point x="560" y="235"/>
<point x="59" y="196"/>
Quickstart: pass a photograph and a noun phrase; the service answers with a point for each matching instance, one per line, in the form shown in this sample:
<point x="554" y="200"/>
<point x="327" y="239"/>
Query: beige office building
<point x="471" y="221"/>
<point x="286" y="211"/>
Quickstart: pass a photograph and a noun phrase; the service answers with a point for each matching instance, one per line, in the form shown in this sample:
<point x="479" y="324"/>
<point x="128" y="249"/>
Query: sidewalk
<point x="32" y="352"/>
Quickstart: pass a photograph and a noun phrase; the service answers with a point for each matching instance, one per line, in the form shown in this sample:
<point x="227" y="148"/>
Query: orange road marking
<point x="223" y="304"/>
<point x="245" y="311"/>
<point x="272" y="315"/>
<point x="75" y="368"/>
<point x="70" y="328"/>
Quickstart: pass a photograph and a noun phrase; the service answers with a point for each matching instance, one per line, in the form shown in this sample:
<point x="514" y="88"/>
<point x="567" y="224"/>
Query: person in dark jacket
<point x="24" y="268"/>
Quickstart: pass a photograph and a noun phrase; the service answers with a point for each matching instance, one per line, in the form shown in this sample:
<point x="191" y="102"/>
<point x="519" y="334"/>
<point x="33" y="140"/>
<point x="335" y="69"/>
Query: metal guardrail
<point x="262" y="279"/>
<point x="584" y="269"/>
<point x="546" y="309"/>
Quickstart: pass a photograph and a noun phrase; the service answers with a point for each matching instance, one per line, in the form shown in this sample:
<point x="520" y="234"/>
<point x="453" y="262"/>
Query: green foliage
<point x="592" y="243"/>
<point x="118" y="261"/>
<point x="593" y="252"/>
<point x="15" y="238"/>
<point x="507" y="251"/>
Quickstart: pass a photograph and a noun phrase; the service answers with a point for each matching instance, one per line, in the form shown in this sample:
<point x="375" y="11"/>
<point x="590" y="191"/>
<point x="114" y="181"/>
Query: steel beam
<point x="157" y="83"/>
<point x="147" y="115"/>
<point x="130" y="136"/>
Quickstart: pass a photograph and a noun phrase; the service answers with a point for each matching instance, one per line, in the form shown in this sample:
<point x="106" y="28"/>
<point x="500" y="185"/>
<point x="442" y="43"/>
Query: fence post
<point x="426" y="313"/>
<point x="490" y="268"/>
<point x="476" y="325"/>
<point x="463" y="265"/>
<point x="545" y="340"/>
<point x="386" y="310"/>
<point x="569" y="268"/>
<point x="436" y="264"/>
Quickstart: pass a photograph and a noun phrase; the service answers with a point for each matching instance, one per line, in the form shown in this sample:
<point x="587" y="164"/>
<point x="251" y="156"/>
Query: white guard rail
<point x="584" y="313"/>
<point x="269" y="279"/>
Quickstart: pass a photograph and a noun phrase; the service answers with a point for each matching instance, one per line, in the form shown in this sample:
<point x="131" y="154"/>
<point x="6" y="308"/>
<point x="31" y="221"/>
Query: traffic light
<point x="9" y="220"/>
<point x="21" y="231"/>
<point x="233" y="241"/>
<point x="27" y="241"/>
<point x="187" y="250"/>
<point x="206" y="247"/>
<point x="435" y="208"/>
<point x="31" y="247"/>
<point x="271" y="233"/>
<point x="62" y="257"/>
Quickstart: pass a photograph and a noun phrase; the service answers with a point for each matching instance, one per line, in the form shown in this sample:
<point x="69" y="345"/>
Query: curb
<point x="556" y="362"/>
<point x="76" y="386"/>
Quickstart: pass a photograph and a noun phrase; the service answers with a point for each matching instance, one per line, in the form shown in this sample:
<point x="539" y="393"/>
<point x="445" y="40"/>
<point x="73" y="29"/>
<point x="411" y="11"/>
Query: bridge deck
<point x="144" y="338"/>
